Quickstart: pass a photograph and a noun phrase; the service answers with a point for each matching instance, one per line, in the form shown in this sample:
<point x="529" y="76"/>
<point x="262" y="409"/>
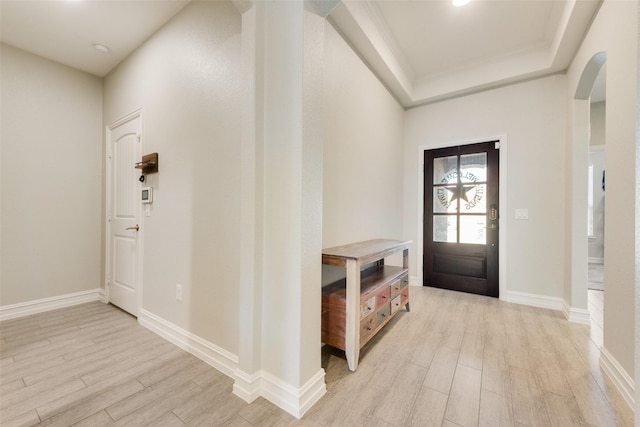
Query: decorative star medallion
<point x="460" y="192"/>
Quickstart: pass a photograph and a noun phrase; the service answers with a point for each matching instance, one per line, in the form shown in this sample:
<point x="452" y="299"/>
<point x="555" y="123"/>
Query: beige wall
<point x="615" y="31"/>
<point x="596" y="242"/>
<point x="532" y="116"/>
<point x="186" y="81"/>
<point x="597" y="118"/>
<point x="597" y="115"/>
<point x="363" y="131"/>
<point x="51" y="179"/>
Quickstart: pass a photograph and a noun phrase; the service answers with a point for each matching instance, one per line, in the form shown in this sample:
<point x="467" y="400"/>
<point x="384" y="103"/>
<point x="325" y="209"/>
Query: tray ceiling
<point x="422" y="50"/>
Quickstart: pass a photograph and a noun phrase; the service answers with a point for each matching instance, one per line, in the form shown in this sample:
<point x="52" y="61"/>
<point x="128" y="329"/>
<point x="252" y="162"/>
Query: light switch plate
<point x="522" y="213"/>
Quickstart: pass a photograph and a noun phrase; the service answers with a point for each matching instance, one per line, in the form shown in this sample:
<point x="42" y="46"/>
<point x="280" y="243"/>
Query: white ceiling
<point x="429" y="50"/>
<point x="422" y="50"/>
<point x="66" y="30"/>
<point x="482" y="31"/>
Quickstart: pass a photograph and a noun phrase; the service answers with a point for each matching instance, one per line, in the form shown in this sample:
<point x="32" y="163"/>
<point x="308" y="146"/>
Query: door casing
<point x="502" y="210"/>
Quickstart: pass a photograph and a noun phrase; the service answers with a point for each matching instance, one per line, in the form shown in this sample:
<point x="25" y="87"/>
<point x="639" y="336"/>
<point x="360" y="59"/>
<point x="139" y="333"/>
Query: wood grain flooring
<point x="596" y="309"/>
<point x="454" y="360"/>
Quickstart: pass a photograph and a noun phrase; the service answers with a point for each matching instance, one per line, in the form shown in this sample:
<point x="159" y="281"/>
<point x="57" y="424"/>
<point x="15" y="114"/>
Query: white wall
<point x="51" y="179"/>
<point x="596" y="242"/>
<point x="292" y="72"/>
<point x="597" y="141"/>
<point x="186" y="80"/>
<point x="532" y="116"/>
<point x="615" y="31"/>
<point x="637" y="234"/>
<point x="597" y="118"/>
<point x="363" y="132"/>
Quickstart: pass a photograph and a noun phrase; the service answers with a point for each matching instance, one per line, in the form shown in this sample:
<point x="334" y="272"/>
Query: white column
<point x="293" y="205"/>
<point x="247" y="376"/>
<point x="577" y="202"/>
<point x="637" y="238"/>
<point x="279" y="344"/>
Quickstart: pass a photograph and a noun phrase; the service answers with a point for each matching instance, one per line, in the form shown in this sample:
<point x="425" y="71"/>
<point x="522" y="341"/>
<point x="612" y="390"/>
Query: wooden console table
<point x="356" y="308"/>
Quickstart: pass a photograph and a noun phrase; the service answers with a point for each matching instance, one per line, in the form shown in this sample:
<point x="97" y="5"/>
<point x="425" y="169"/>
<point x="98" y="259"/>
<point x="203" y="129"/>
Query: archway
<point x="578" y="191"/>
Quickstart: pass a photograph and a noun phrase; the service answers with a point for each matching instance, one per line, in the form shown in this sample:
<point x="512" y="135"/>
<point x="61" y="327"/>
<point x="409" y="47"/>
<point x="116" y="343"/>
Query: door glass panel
<point x="445" y="228"/>
<point x="444" y="200"/>
<point x="445" y="170"/>
<point x="473" y="167"/>
<point x="473" y="229"/>
<point x="473" y="198"/>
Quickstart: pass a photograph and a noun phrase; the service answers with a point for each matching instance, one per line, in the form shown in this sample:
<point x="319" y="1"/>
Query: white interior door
<point x="123" y="214"/>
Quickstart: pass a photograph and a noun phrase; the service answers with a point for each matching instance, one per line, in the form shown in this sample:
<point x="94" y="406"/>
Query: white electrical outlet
<point x="179" y="292"/>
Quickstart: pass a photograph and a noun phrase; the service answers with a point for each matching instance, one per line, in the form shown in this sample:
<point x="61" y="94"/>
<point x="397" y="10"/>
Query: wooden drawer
<point x="395" y="288"/>
<point x="368" y="307"/>
<point x="367" y="326"/>
<point x="396" y="304"/>
<point x="404" y="281"/>
<point x="383" y="314"/>
<point x="404" y="296"/>
<point x="383" y="297"/>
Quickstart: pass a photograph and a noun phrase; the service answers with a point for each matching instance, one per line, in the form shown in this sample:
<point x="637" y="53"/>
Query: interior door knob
<point x="133" y="228"/>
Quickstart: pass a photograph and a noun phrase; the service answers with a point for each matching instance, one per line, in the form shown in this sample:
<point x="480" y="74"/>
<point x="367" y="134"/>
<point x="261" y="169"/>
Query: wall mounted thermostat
<point x="146" y="195"/>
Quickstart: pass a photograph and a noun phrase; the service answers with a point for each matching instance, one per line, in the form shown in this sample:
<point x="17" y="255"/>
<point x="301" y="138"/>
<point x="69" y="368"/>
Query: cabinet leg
<point x="352" y="360"/>
<point x="408" y="307"/>
<point x="352" y="315"/>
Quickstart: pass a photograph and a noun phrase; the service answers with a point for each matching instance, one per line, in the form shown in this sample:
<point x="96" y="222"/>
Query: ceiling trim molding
<point x="363" y="26"/>
<point x="354" y="21"/>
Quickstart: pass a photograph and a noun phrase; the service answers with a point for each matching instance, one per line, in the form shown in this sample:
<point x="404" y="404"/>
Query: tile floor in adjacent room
<point x="454" y="360"/>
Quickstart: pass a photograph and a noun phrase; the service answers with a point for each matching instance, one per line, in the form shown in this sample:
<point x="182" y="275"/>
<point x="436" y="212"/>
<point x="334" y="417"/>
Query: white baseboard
<point x="413" y="281"/>
<point x="22" y="309"/>
<point x="534" y="300"/>
<point x="247" y="386"/>
<point x="623" y="382"/>
<point x="204" y="350"/>
<point x="576" y="315"/>
<point x="596" y="260"/>
<point x="295" y="401"/>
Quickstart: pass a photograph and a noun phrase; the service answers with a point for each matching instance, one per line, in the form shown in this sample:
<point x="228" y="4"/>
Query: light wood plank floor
<point x="596" y="311"/>
<point x="454" y="360"/>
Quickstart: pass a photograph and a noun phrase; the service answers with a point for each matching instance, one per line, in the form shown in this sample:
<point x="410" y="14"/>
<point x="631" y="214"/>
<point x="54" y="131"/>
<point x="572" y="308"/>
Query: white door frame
<point x="502" y="220"/>
<point x="107" y="214"/>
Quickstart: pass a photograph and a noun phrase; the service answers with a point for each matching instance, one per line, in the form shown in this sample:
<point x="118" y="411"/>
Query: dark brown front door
<point x="461" y="218"/>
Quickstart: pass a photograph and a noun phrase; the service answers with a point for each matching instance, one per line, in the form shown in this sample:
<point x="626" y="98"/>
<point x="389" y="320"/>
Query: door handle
<point x="133" y="228"/>
<point x="493" y="213"/>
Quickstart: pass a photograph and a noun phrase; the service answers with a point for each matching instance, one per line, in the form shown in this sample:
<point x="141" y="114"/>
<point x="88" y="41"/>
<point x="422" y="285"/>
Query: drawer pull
<point x="368" y="328"/>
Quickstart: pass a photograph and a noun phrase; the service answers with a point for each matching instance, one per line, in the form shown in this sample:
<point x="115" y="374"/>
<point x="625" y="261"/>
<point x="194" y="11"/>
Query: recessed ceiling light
<point x="458" y="3"/>
<point x="102" y="48"/>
